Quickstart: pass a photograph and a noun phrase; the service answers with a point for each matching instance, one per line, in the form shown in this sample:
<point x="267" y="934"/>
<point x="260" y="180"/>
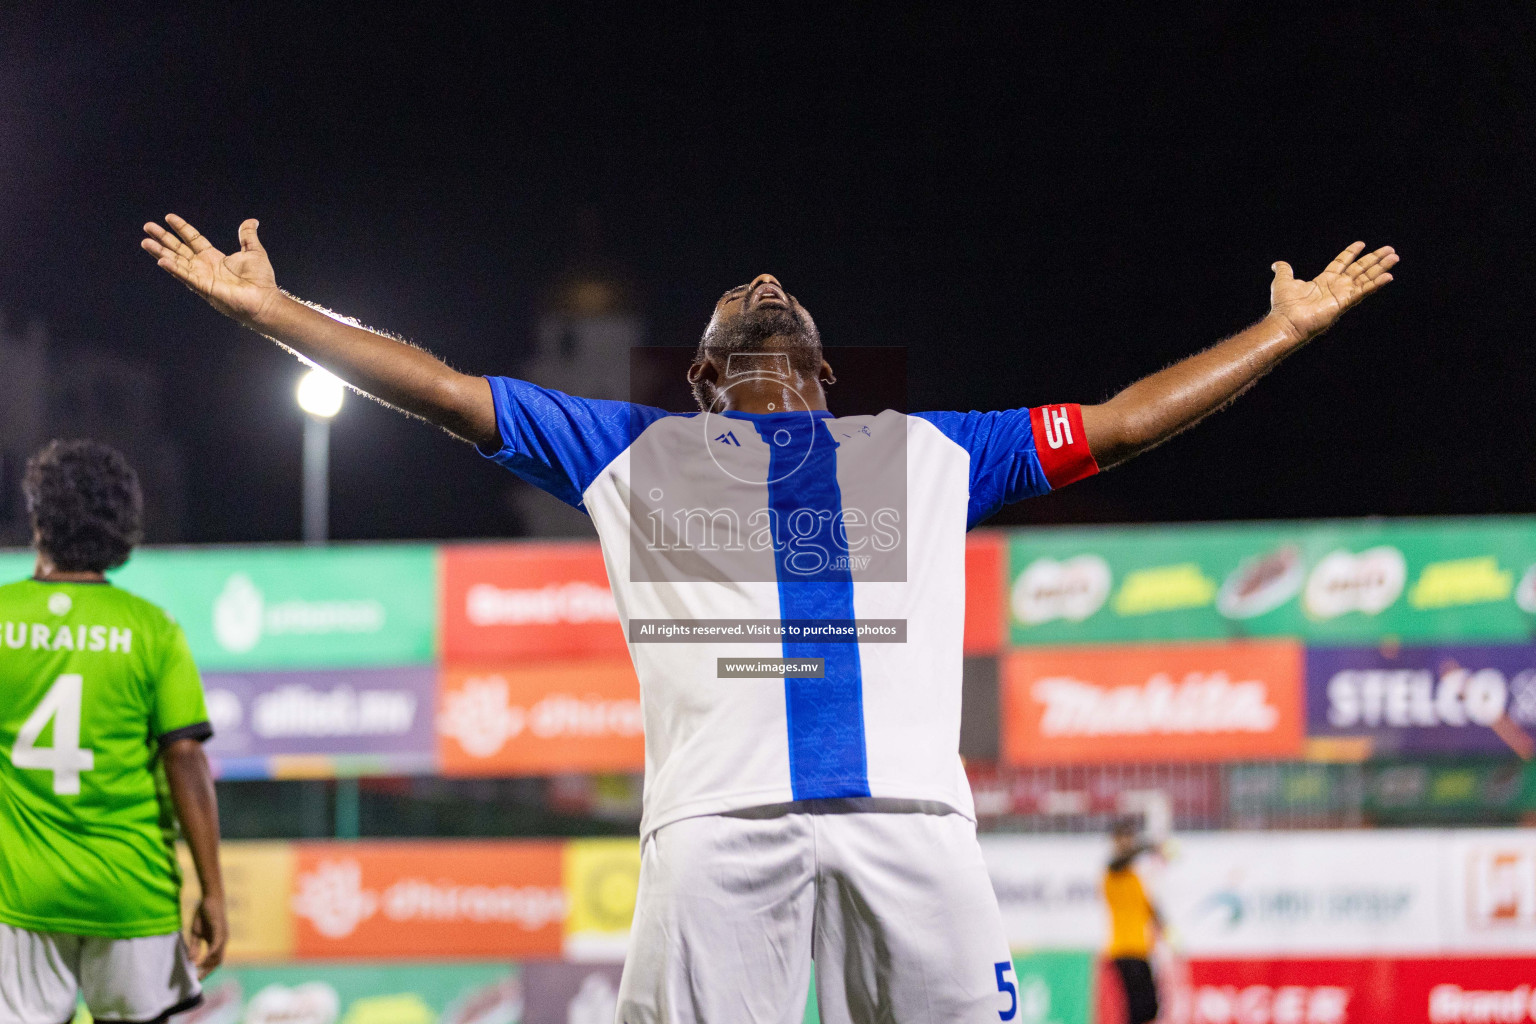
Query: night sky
<point x="1039" y="210"/>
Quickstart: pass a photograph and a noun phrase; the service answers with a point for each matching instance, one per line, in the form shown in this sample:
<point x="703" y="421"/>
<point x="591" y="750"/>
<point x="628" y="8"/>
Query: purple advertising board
<point x="370" y="721"/>
<point x="1438" y="699"/>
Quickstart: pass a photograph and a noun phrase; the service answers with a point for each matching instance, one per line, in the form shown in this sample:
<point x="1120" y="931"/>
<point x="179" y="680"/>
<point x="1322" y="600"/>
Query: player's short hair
<point x="86" y="506"/>
<point x="1125" y="827"/>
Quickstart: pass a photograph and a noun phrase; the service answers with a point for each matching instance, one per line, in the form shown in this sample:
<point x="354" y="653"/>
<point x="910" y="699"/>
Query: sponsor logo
<point x="486" y="604"/>
<point x="1342" y="582"/>
<point x="225" y="712"/>
<point x="1452" y="1004"/>
<point x="1525" y="594"/>
<point x="1164" y="588"/>
<point x="1461" y="581"/>
<point x="334" y="900"/>
<point x="482" y="718"/>
<point x="500" y="1002"/>
<point x="1261" y="584"/>
<point x="313" y="1002"/>
<point x="1501" y="888"/>
<point x="1269" y="1004"/>
<point x="1294" y="907"/>
<point x="1200" y="702"/>
<point x="60" y="603"/>
<point x="595" y="1002"/>
<point x="242" y="617"/>
<point x="728" y="438"/>
<point x="299" y="710"/>
<point x="1407" y="698"/>
<point x="1072" y="589"/>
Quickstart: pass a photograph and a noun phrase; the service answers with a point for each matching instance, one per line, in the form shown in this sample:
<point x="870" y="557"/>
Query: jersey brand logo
<point x="1058" y="429"/>
<point x="728" y="437"/>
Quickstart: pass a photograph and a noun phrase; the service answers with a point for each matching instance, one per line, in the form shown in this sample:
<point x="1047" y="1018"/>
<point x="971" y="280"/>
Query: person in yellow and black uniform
<point x="1134" y="925"/>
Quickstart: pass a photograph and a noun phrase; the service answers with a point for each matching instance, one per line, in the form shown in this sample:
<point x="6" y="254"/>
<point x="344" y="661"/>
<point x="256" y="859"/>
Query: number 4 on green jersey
<point x="65" y="758"/>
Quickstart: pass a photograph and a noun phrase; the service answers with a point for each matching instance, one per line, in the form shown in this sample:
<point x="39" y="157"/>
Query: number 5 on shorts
<point x="1004" y="985"/>
<point x="65" y="758"/>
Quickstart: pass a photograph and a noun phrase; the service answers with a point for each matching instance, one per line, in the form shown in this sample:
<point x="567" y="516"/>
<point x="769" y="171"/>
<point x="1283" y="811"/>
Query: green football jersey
<point x="93" y="680"/>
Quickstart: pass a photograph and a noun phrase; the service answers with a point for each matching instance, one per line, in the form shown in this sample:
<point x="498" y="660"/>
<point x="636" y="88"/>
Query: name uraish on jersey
<point x="39" y="636"/>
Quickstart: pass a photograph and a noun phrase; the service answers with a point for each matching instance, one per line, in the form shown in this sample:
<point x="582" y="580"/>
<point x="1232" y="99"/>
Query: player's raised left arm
<point x="1156" y="408"/>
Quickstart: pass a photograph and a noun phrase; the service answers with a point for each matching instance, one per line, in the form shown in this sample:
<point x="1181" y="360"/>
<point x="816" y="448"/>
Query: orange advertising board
<point x="986" y="556"/>
<point x="428" y="899"/>
<point x="540" y="719"/>
<point x="511" y="602"/>
<point x="1164" y="702"/>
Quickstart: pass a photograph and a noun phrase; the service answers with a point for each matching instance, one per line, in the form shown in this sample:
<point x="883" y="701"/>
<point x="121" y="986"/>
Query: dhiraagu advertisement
<point x="1326" y="582"/>
<point x="281" y="607"/>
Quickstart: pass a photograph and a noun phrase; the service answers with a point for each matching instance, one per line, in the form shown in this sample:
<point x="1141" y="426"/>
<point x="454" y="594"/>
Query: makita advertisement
<point x="1443" y="699"/>
<point x="1163" y="702"/>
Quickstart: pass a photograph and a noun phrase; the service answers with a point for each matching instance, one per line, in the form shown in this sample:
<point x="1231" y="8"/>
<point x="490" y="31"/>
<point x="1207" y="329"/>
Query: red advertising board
<point x="986" y="566"/>
<point x="540" y="719"/>
<point x="428" y="899"/>
<point x="1165" y="702"/>
<point x="506" y="602"/>
<point x="1437" y="990"/>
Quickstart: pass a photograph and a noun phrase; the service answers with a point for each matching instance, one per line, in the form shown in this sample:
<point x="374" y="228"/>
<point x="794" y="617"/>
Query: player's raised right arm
<point x="243" y="287"/>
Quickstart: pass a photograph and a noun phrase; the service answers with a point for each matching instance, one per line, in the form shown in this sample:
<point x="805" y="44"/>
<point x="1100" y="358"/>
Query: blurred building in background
<point x="48" y="390"/>
<point x="581" y="343"/>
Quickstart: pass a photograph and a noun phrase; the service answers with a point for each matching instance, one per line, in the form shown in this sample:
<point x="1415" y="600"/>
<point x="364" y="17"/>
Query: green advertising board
<point x="292" y="607"/>
<point x="1332" y="582"/>
<point x="16" y="565"/>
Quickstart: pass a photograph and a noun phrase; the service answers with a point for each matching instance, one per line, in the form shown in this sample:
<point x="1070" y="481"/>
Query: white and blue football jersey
<point x="818" y="524"/>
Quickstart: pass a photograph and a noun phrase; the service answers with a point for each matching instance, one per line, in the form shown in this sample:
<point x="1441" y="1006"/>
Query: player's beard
<point x="765" y="329"/>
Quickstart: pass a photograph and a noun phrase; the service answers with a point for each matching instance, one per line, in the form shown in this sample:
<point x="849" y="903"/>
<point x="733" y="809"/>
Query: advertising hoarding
<point x="379" y="719"/>
<point x="247" y="608"/>
<point x="986" y="569"/>
<point x="1434" y="699"/>
<point x="540" y="719"/>
<point x="393" y="993"/>
<point x="1168" y="702"/>
<point x="1440" y="990"/>
<point x="520" y="602"/>
<point x="602" y="881"/>
<point x="428" y="899"/>
<point x="1327" y="582"/>
<point x="258" y="876"/>
<point x="1491" y="890"/>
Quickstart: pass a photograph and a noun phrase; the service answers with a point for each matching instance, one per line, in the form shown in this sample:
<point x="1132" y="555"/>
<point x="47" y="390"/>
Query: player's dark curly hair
<point x="86" y="506"/>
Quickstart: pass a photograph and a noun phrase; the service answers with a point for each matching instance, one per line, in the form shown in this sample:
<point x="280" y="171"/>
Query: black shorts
<point x="1140" y="990"/>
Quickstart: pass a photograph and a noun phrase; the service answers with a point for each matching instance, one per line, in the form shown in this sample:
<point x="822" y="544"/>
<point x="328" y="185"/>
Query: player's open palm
<point x="240" y="285"/>
<point x="1312" y="306"/>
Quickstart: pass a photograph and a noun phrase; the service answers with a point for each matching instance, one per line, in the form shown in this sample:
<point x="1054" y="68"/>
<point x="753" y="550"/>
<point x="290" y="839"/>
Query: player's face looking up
<point x="86" y="506"/>
<point x="759" y="317"/>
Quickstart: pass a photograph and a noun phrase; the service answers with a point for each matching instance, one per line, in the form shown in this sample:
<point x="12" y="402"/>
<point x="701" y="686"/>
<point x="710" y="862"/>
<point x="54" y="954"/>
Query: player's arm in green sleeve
<point x="191" y="782"/>
<point x="181" y="726"/>
<point x="1156" y="408"/>
<point x="243" y="286"/>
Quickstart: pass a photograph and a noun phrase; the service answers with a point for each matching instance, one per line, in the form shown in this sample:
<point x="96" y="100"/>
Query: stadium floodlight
<point x="320" y="393"/>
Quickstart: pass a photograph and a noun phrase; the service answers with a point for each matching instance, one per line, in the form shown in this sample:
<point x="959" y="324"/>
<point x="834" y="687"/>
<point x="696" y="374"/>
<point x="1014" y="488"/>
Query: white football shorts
<point x="893" y="903"/>
<point x="123" y="981"/>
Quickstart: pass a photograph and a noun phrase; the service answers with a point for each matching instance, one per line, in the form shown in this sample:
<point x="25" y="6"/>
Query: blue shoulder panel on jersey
<point x="560" y="443"/>
<point x="827" y="755"/>
<point x="1004" y="465"/>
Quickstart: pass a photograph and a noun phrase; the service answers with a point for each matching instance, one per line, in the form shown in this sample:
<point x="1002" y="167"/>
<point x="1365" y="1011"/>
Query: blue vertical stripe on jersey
<point x="827" y="755"/>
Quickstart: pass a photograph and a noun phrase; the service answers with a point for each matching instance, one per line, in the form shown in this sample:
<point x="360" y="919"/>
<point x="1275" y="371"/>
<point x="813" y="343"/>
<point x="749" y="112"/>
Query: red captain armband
<point x="1062" y="444"/>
